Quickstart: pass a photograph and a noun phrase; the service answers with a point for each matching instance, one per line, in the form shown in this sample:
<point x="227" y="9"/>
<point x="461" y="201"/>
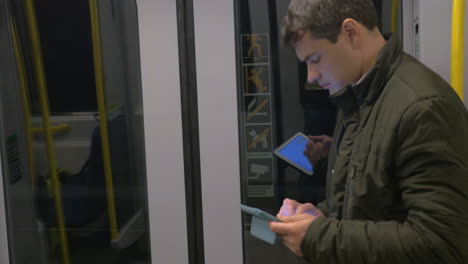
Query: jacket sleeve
<point x="431" y="167"/>
<point x="322" y="167"/>
<point x="323" y="207"/>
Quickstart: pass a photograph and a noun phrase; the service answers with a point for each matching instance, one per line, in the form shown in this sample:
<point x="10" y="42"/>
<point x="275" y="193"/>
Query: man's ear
<point x="352" y="32"/>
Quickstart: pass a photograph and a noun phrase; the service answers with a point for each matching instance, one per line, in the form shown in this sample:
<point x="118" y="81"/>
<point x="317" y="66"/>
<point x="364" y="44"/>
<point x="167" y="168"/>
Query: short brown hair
<point x="323" y="18"/>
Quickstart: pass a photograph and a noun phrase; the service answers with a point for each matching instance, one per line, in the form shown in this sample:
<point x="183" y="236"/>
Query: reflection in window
<point x="72" y="198"/>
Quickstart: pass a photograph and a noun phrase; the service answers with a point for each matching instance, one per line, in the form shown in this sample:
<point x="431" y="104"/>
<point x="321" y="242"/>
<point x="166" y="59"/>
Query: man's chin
<point x="333" y="89"/>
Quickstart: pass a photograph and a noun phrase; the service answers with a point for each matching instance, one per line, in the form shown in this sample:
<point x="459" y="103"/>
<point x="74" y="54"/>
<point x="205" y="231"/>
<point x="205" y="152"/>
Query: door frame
<point x="215" y="41"/>
<point x="4" y="250"/>
<point x="160" y="77"/>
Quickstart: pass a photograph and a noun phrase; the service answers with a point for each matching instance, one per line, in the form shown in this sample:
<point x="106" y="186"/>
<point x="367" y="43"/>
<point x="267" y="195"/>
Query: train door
<point x="252" y="96"/>
<point x="25" y="231"/>
<point x="91" y="133"/>
<point x="132" y="130"/>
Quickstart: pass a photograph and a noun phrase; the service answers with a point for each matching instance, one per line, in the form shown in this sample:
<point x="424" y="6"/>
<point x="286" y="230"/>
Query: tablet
<point x="258" y="213"/>
<point x="259" y="227"/>
<point x="292" y="151"/>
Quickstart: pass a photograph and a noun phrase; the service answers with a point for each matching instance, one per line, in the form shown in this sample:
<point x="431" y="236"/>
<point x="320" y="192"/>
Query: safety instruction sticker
<point x="255" y="48"/>
<point x="257" y="109"/>
<point x="259" y="139"/>
<point x="256" y="79"/>
<point x="260" y="177"/>
<point x="259" y="171"/>
<point x="257" y="115"/>
<point x="13" y="159"/>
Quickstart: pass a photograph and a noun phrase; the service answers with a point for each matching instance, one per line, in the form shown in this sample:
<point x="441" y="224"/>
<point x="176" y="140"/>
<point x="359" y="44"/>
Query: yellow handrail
<point x="62" y="128"/>
<point x="93" y="7"/>
<point x="458" y="43"/>
<point x="44" y="102"/>
<point x="25" y="100"/>
<point x="394" y="15"/>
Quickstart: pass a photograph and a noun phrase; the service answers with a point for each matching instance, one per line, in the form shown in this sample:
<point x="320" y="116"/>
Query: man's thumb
<point x="287" y="218"/>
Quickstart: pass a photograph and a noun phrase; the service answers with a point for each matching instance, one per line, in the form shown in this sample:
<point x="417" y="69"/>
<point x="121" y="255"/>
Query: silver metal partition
<point x="219" y="139"/>
<point x="163" y="130"/>
<point x="4" y="256"/>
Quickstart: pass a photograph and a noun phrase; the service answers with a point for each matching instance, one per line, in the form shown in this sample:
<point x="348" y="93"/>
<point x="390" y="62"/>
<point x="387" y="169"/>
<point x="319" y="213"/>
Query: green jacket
<point x="397" y="183"/>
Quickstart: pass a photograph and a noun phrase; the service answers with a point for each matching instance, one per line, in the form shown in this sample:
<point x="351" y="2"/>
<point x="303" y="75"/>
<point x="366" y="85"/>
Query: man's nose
<point x="312" y="74"/>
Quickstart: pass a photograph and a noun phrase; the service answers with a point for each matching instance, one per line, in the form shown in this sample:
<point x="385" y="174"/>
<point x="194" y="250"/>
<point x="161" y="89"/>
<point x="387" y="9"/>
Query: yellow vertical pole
<point x="458" y="43"/>
<point x="44" y="102"/>
<point x="394" y="15"/>
<point x="96" y="36"/>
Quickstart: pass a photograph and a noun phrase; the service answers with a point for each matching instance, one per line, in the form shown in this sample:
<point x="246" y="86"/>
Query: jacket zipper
<point x="352" y="174"/>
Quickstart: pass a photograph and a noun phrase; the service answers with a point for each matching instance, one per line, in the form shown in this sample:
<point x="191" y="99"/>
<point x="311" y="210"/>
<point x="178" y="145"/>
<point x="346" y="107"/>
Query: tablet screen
<point x="292" y="151"/>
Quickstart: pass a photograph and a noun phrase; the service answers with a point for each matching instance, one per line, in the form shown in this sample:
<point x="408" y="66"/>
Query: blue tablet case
<point x="259" y="226"/>
<point x="292" y="151"/>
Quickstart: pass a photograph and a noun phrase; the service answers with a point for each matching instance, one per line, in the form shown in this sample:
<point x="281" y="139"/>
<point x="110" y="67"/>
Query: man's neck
<point x="376" y="44"/>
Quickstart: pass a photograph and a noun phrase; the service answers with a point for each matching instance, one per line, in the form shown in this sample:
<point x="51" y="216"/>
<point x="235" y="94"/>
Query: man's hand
<point x="295" y="218"/>
<point x="291" y="207"/>
<point x="317" y="148"/>
<point x="293" y="230"/>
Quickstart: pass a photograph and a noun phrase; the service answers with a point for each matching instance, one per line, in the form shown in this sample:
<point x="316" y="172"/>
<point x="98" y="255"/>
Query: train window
<point x="65" y="32"/>
<point x="76" y="165"/>
<point x="272" y="108"/>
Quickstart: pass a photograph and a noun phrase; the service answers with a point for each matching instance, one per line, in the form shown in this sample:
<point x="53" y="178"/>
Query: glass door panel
<point x="88" y="153"/>
<point x="248" y="83"/>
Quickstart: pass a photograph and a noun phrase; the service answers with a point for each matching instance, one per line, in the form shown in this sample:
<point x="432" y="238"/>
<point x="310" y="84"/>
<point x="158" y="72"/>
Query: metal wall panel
<point x="163" y="130"/>
<point x="218" y="126"/>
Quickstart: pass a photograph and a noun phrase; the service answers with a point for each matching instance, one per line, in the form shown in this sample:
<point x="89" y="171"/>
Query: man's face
<point x="332" y="65"/>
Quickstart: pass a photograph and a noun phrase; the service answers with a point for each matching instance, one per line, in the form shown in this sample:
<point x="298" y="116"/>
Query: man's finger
<point x="286" y="219"/>
<point x="282" y="229"/>
<point x="288" y="207"/>
<point x="317" y="138"/>
<point x="295" y="218"/>
<point x="304" y="208"/>
<point x="310" y="146"/>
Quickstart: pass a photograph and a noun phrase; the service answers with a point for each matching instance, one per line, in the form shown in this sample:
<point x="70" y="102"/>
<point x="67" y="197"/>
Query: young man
<point x="397" y="181"/>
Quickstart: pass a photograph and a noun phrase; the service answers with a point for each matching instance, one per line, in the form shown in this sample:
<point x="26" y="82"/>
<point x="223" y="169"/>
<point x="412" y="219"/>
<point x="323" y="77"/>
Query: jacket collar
<point x="371" y="86"/>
